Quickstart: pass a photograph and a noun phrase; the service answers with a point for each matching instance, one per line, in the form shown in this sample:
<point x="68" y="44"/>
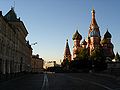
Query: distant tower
<point x="67" y="54"/>
<point x="76" y="48"/>
<point x="94" y="34"/>
<point x="107" y="45"/>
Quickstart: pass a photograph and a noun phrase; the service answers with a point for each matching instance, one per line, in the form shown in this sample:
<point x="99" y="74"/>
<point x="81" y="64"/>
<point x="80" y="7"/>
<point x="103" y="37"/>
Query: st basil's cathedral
<point x="93" y="41"/>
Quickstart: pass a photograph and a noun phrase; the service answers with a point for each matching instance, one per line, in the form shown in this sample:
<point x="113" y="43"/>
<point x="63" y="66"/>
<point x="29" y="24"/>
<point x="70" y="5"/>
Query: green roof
<point x="77" y="36"/>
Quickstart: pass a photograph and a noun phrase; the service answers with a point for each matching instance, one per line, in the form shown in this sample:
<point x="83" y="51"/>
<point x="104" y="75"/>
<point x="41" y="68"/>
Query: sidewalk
<point x="7" y="77"/>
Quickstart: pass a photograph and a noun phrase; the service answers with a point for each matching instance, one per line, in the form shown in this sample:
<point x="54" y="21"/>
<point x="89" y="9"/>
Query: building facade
<point x="49" y="64"/>
<point x="37" y="64"/>
<point x="15" y="51"/>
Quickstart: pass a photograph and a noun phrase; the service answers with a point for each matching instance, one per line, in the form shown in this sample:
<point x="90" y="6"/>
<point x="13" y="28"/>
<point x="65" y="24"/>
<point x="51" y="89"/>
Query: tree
<point x="81" y="63"/>
<point x="97" y="55"/>
<point x="65" y="64"/>
<point x="83" y="54"/>
<point x="98" y="59"/>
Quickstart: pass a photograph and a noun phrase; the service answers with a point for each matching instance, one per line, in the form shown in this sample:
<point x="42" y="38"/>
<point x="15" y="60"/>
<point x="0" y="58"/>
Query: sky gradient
<point x="51" y="22"/>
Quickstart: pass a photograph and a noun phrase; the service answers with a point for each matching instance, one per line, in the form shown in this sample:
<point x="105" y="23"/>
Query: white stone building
<point x="15" y="51"/>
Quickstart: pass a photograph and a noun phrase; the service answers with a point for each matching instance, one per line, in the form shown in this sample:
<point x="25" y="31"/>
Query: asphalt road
<point x="27" y="82"/>
<point x="61" y="81"/>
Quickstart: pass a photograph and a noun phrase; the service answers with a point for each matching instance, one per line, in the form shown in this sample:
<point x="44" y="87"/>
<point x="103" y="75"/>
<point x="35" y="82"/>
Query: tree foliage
<point x="81" y="62"/>
<point x="98" y="59"/>
<point x="98" y="55"/>
<point x="83" y="54"/>
<point x="85" y="62"/>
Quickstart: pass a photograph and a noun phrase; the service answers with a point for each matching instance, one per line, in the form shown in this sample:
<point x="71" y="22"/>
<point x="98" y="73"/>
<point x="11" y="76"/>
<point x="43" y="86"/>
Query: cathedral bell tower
<point x="94" y="37"/>
<point x="67" y="54"/>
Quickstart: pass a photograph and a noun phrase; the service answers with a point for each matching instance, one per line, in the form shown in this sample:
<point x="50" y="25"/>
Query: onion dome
<point x="77" y="36"/>
<point x="107" y="35"/>
<point x="84" y="42"/>
<point x="104" y="41"/>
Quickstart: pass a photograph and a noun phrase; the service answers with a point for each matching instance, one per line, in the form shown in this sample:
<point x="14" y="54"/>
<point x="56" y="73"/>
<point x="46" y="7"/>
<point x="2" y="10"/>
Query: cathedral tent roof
<point x="67" y="49"/>
<point x="93" y="22"/>
<point x="94" y="29"/>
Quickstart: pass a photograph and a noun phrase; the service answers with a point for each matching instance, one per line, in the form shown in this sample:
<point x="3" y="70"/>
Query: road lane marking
<point x="45" y="85"/>
<point x="92" y="82"/>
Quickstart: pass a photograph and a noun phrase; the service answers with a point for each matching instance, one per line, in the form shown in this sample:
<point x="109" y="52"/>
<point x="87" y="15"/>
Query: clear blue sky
<point x="51" y="22"/>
